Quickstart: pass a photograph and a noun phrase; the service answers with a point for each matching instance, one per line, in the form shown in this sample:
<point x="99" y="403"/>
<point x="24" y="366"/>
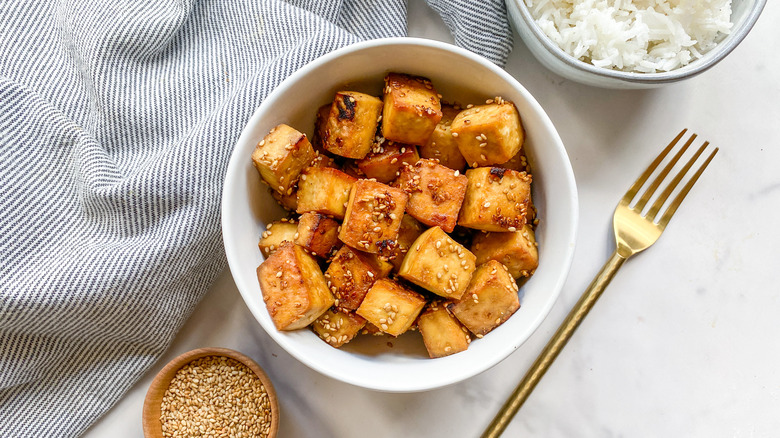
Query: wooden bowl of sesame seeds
<point x="211" y="391"/>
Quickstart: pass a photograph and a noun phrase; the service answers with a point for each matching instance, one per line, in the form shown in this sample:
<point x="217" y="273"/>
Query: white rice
<point x="645" y="36"/>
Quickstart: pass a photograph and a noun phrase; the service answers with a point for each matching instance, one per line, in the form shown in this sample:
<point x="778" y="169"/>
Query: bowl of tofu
<point x="399" y="214"/>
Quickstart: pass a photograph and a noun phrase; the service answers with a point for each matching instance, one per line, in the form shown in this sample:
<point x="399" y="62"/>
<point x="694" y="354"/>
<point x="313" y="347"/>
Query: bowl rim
<point x="236" y="165"/>
<point x="692" y="69"/>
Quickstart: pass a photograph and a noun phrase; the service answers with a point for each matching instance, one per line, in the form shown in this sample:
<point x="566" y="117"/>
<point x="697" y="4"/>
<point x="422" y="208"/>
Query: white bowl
<point x="744" y="14"/>
<point x="457" y="74"/>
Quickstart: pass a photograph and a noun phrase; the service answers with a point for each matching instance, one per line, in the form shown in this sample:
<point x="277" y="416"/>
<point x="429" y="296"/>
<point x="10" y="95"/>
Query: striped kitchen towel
<point x="117" y="118"/>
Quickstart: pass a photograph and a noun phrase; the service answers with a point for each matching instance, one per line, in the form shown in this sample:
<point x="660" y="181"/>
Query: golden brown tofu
<point x="318" y="234"/>
<point x="519" y="162"/>
<point x="373" y="217"/>
<point x="281" y="156"/>
<point x="497" y="199"/>
<point x="442" y="333"/>
<point x="337" y="327"/>
<point x="275" y="233"/>
<point x="351" y="274"/>
<point x="409" y="231"/>
<point x="488" y="134"/>
<point x="489" y="301"/>
<point x="391" y="307"/>
<point x="320" y="125"/>
<point x="435" y="193"/>
<point x="517" y="251"/>
<point x="412" y="109"/>
<point x="442" y="145"/>
<point x="288" y="202"/>
<point x="439" y="264"/>
<point x="323" y="160"/>
<point x="294" y="289"/>
<point x="352" y="124"/>
<point x="324" y="190"/>
<point x="386" y="159"/>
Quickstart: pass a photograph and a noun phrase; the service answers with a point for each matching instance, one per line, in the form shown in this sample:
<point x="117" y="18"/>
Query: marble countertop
<point x="684" y="340"/>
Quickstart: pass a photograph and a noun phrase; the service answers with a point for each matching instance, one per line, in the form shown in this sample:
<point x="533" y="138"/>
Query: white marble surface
<point x="683" y="343"/>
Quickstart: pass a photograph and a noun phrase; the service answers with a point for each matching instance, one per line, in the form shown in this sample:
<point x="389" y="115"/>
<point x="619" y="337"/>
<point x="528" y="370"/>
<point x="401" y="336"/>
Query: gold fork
<point x="634" y="232"/>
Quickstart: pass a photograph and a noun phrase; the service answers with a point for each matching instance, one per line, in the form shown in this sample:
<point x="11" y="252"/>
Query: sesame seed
<point x="454" y="134"/>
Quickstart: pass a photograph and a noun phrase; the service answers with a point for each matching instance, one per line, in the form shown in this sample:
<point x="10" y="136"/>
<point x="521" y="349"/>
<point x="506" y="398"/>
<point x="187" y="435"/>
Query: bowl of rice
<point x="632" y="43"/>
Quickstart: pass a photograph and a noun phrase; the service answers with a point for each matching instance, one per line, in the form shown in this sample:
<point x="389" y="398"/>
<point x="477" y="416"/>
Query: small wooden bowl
<point x="151" y="412"/>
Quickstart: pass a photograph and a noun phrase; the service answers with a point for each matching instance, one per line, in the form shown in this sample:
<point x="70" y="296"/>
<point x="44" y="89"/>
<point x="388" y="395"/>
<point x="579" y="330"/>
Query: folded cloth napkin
<point x="117" y="119"/>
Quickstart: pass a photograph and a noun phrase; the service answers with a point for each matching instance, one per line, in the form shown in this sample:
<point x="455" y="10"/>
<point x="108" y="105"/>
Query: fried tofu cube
<point x="391" y="307"/>
<point x="320" y="125"/>
<point x="488" y="134"/>
<point x="409" y="231"/>
<point x="517" y="251"/>
<point x="318" y="234"/>
<point x="497" y="199"/>
<point x="373" y="217"/>
<point x="442" y="333"/>
<point x="489" y="301"/>
<point x="294" y="288"/>
<point x="351" y="274"/>
<point x="275" y="233"/>
<point x="352" y="124"/>
<point x="412" y="109"/>
<point x="324" y="190"/>
<point x="519" y="162"/>
<point x="337" y="327"/>
<point x="385" y="160"/>
<point x="288" y="202"/>
<point x="435" y="193"/>
<point x="439" y="264"/>
<point x="442" y="145"/>
<point x="281" y="156"/>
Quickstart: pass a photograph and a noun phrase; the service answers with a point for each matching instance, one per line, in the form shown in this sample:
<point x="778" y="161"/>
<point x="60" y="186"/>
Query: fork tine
<point x="680" y="196"/>
<point x="634" y="189"/>
<point x="673" y="184"/>
<point x="640" y="205"/>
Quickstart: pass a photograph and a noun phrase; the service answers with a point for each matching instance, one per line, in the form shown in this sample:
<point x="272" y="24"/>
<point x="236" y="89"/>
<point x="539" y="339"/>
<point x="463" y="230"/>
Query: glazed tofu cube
<point x="352" y="124"/>
<point x="288" y="202"/>
<point x="490" y="299"/>
<point x="409" y="231"/>
<point x="386" y="159"/>
<point x="442" y="333"/>
<point x="442" y="145"/>
<point x="439" y="264"/>
<point x="519" y="162"/>
<point x="351" y="168"/>
<point x="373" y="217"/>
<point x="412" y="109"/>
<point x="318" y="234"/>
<point x="391" y="307"/>
<point x="275" y="233"/>
<point x="337" y="327"/>
<point x="497" y="199"/>
<point x="351" y="274"/>
<point x="435" y="193"/>
<point x="322" y="160"/>
<point x="281" y="156"/>
<point x="324" y="190"/>
<point x="517" y="251"/>
<point x="488" y="134"/>
<point x="320" y="125"/>
<point x="294" y="289"/>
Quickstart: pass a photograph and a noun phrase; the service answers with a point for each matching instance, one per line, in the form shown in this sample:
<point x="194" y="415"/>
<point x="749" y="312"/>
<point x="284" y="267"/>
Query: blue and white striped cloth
<point x="117" y="118"/>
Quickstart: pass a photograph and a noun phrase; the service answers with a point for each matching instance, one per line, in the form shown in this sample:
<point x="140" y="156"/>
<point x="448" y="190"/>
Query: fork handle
<point x="554" y="346"/>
